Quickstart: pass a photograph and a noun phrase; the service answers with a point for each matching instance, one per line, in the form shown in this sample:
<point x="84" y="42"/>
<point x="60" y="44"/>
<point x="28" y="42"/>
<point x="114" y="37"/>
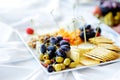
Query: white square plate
<point x="106" y="31"/>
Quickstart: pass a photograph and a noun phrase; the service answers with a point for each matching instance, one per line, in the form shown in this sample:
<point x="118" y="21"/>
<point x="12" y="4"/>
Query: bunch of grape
<point x="90" y="32"/>
<point x="110" y="6"/>
<point x="108" y="12"/>
<point x="54" y="51"/>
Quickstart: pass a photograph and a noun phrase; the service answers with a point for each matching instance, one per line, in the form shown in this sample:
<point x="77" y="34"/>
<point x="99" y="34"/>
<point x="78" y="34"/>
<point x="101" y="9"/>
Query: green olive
<point x="41" y="56"/>
<point x="47" y="62"/>
<point x="53" y="65"/>
<point x="46" y="57"/>
<point x="59" y="59"/>
<point x="62" y="66"/>
<point x="66" y="61"/>
<point x="58" y="67"/>
<point x="73" y="64"/>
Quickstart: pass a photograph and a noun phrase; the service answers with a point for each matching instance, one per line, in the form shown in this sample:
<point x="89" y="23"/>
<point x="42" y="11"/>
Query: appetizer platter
<point x="61" y="49"/>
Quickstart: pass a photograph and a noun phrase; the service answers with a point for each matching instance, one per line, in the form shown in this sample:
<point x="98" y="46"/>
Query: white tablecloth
<point x="16" y="63"/>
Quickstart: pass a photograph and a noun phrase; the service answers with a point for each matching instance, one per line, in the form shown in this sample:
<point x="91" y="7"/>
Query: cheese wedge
<point x="75" y="55"/>
<point x="86" y="47"/>
<point x="78" y="51"/>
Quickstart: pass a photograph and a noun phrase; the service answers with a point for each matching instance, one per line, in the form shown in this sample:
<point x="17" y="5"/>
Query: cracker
<point x="101" y="39"/>
<point x="93" y="57"/>
<point x="88" y="61"/>
<point x="102" y="54"/>
<point x="110" y="47"/>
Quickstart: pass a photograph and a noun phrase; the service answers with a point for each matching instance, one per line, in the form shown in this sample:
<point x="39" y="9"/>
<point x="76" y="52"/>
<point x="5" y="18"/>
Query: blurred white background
<point x="12" y="11"/>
